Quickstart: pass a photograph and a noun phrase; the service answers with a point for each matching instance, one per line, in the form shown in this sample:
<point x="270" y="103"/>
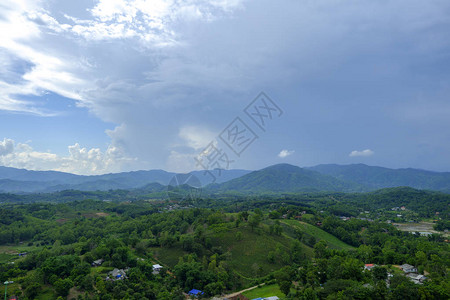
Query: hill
<point x="378" y="177"/>
<point x="285" y="178"/>
<point x="426" y="203"/>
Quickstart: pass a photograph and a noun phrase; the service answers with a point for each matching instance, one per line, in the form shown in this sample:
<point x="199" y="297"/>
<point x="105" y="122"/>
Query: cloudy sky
<point x="97" y="86"/>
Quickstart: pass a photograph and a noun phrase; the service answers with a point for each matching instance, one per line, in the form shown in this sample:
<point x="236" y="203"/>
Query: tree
<point x="379" y="273"/>
<point x="243" y="215"/>
<point x="296" y="251"/>
<point x="421" y="258"/>
<point x="320" y="249"/>
<point x="283" y="277"/>
<point x="307" y="294"/>
<point x="285" y="286"/>
<point x="32" y="290"/>
<point x="62" y="286"/>
<point x="254" y="220"/>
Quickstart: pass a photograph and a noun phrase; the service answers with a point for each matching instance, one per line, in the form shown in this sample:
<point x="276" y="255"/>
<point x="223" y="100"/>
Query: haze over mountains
<point x="277" y="178"/>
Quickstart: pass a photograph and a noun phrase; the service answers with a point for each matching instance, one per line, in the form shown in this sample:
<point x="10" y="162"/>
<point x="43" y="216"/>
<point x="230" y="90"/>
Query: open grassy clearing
<point x="264" y="291"/>
<point x="167" y="256"/>
<point x="11" y="252"/>
<point x="319" y="234"/>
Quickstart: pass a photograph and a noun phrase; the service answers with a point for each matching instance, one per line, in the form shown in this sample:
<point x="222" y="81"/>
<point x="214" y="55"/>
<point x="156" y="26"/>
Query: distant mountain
<point x="285" y="178"/>
<point x="14" y="180"/>
<point x="39" y="176"/>
<point x="220" y="176"/>
<point x="16" y="186"/>
<point x="378" y="177"/>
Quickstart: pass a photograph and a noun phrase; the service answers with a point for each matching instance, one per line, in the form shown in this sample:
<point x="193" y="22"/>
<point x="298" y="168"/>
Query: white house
<point x="157" y="268"/>
<point x="97" y="262"/>
<point x="408" y="268"/>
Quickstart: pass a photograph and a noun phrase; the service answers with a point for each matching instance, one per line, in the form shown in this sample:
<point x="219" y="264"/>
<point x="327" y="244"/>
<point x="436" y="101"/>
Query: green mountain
<point x="287" y="179"/>
<point x="379" y="177"/>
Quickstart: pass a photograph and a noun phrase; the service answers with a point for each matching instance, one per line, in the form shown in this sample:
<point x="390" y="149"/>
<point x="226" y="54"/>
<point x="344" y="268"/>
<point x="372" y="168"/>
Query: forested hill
<point x="425" y="203"/>
<point x="377" y="177"/>
<point x="287" y="178"/>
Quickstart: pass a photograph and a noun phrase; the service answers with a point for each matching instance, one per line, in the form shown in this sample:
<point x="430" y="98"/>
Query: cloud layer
<point x="78" y="161"/>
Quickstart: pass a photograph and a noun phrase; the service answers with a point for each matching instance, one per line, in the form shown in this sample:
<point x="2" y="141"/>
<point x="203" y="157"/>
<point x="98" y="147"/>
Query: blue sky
<point x="92" y="87"/>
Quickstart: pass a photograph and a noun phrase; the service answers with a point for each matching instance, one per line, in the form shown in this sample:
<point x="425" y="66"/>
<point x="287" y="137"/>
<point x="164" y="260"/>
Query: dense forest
<point x="305" y="246"/>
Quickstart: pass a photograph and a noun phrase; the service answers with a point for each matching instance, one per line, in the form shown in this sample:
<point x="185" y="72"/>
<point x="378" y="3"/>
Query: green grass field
<point x="249" y="254"/>
<point x="319" y="234"/>
<point x="264" y="291"/>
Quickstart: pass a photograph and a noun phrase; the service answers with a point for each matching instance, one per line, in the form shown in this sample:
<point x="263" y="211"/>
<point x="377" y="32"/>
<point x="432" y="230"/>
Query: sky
<point x="99" y="86"/>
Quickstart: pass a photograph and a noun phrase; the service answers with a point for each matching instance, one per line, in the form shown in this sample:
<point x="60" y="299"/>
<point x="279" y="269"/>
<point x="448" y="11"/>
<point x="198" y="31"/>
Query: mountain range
<point x="277" y="178"/>
<point x="14" y="180"/>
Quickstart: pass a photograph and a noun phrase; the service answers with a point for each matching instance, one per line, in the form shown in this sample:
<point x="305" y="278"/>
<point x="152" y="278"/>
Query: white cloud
<point x="79" y="160"/>
<point x="366" y="152"/>
<point x="6" y="147"/>
<point x="285" y="153"/>
<point x="196" y="137"/>
<point x="22" y="27"/>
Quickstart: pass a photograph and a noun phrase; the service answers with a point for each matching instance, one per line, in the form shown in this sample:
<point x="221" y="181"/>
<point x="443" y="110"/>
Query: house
<point x="369" y="266"/>
<point x="195" y="293"/>
<point x="408" y="268"/>
<point x="157" y="268"/>
<point x="425" y="233"/>
<point x="416" y="278"/>
<point x="117" y="274"/>
<point x="267" y="298"/>
<point x="97" y="263"/>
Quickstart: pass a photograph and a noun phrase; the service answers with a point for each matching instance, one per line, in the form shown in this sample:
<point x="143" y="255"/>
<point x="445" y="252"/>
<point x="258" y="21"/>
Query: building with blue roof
<point x="195" y="292"/>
